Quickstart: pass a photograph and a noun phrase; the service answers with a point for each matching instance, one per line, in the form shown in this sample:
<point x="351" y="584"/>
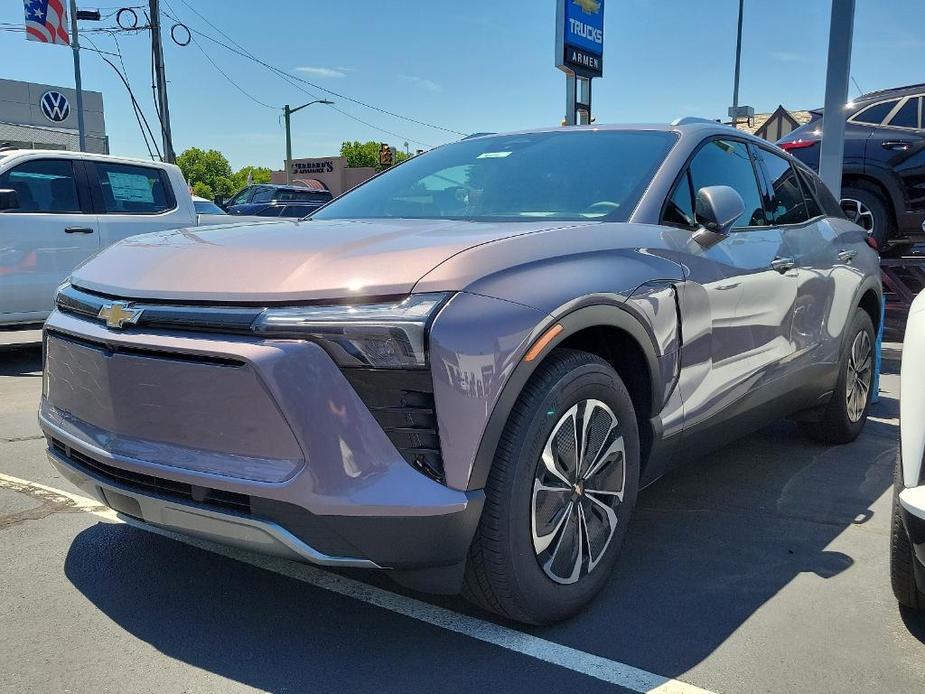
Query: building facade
<point x="43" y="116"/>
<point x="773" y="126"/>
<point x="325" y="173"/>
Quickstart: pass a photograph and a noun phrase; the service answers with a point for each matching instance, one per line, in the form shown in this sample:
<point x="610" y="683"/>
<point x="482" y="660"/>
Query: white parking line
<point x="573" y="659"/>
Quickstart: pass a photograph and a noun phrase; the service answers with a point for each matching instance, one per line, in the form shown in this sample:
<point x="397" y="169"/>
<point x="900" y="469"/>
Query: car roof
<point x="891" y="91"/>
<point x="68" y="154"/>
<point x="687" y="126"/>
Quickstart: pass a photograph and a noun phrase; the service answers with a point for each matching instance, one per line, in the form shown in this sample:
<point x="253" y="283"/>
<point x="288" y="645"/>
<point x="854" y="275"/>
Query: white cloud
<point x="323" y="71"/>
<point x="422" y="83"/>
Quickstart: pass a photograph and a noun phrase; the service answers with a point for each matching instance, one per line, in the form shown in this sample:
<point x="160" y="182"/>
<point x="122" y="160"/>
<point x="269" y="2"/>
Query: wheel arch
<point x="611" y="332"/>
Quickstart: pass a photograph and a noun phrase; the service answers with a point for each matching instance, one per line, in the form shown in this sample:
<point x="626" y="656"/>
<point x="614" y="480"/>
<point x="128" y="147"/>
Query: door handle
<point x="895" y="144"/>
<point x="782" y="265"/>
<point x="846" y="255"/>
<point x="78" y="230"/>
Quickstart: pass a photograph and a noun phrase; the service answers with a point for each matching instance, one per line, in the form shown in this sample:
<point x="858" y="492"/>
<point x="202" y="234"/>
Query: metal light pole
<point x="735" y="86"/>
<point x="75" y="46"/>
<point x="832" y="153"/>
<point x="287" y="112"/>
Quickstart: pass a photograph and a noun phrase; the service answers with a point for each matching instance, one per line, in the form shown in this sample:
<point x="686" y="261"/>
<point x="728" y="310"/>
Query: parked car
<point x="58" y="208"/>
<point x="268" y="200"/>
<point x="907" y="540"/>
<point x="473" y="362"/>
<point x="884" y="167"/>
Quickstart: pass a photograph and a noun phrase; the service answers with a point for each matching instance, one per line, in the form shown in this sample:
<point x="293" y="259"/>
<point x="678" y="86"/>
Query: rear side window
<point x="875" y="114"/>
<point x="262" y="195"/>
<point x="43" y="185"/>
<point x="908" y="115"/>
<point x="130" y="189"/>
<point x="727" y="163"/>
<point x="786" y="202"/>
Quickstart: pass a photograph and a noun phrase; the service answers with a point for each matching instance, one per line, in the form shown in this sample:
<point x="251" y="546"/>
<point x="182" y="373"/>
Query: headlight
<point x="388" y="335"/>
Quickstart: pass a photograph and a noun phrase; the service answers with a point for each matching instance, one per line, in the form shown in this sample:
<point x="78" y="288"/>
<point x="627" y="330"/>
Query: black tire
<point x="902" y="556"/>
<point x="836" y="426"/>
<point x="503" y="573"/>
<point x="884" y="229"/>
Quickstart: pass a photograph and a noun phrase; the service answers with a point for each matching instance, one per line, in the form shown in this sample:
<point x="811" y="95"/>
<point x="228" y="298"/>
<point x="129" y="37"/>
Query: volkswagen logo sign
<point x="55" y="106"/>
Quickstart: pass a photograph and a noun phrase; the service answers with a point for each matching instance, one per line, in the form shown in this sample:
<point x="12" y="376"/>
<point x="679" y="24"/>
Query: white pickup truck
<point x="58" y="208"/>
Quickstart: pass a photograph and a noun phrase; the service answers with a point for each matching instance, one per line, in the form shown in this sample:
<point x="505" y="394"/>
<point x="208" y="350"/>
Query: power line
<point x="231" y="81"/>
<point x="242" y="51"/>
<point x="139" y="114"/>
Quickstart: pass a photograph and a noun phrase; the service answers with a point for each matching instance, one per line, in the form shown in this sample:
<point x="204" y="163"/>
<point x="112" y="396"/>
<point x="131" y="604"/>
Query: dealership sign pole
<point x="579" y="53"/>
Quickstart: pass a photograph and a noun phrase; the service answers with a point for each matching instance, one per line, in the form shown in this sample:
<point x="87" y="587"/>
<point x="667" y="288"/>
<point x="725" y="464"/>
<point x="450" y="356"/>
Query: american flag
<point x="46" y="21"/>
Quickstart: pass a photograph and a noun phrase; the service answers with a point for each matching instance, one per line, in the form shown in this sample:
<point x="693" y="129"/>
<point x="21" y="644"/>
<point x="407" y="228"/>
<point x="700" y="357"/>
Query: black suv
<point x="270" y="200"/>
<point x="883" y="185"/>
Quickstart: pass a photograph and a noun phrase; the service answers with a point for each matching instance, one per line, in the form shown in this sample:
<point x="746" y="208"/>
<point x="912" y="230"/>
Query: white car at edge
<point x="58" y="208"/>
<point x="907" y="546"/>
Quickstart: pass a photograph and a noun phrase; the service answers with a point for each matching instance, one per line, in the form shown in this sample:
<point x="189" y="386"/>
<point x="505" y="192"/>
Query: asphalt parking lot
<point x="760" y="568"/>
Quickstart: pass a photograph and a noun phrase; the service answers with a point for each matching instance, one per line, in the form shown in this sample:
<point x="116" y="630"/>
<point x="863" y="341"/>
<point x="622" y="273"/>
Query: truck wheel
<point x="559" y="495"/>
<point x="902" y="556"/>
<point x="867" y="208"/>
<point x="845" y="414"/>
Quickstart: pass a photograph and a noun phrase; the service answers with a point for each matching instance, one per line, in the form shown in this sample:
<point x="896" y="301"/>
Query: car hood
<point x="281" y="261"/>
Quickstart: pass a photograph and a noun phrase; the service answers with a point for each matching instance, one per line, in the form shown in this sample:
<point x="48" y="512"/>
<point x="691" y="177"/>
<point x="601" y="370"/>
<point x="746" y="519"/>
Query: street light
<point x="286" y="113"/>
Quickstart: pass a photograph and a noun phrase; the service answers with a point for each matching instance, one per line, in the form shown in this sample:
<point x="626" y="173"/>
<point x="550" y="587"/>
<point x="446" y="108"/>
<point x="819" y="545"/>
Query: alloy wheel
<point x="860" y="372"/>
<point x="859" y="213"/>
<point x="577" y="490"/>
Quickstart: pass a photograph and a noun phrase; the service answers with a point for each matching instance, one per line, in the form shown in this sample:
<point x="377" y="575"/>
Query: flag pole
<point x="75" y="46"/>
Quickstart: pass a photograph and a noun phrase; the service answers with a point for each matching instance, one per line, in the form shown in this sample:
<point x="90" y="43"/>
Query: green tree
<point x="206" y="171"/>
<point x="367" y="154"/>
<point x="258" y="174"/>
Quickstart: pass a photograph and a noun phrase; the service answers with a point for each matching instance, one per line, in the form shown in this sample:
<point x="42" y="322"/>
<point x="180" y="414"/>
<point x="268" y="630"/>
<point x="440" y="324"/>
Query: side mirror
<point x="718" y="208"/>
<point x="9" y="200"/>
<point x="220" y="201"/>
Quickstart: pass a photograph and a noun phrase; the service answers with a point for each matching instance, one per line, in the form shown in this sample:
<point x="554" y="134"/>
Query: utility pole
<point x="735" y="86"/>
<point x="832" y="152"/>
<point x="163" y="110"/>
<point x="287" y="112"/>
<point x="75" y="46"/>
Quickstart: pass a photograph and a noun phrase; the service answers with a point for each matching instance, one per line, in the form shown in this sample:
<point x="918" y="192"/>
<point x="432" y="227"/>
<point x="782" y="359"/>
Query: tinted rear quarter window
<point x="827" y="201"/>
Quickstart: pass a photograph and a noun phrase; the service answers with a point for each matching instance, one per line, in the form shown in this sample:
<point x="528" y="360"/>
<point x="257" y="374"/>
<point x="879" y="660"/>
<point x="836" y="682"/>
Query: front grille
<point x="148" y="484"/>
<point x="402" y="402"/>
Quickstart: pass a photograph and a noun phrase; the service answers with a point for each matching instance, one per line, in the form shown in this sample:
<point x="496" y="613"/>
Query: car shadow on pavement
<point x="21" y="361"/>
<point x="709" y="544"/>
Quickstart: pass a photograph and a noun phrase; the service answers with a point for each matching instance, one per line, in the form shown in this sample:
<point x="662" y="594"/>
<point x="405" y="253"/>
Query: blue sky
<point x="451" y="64"/>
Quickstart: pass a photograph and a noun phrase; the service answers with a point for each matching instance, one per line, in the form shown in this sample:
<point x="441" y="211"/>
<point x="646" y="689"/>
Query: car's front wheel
<point x="560" y="493"/>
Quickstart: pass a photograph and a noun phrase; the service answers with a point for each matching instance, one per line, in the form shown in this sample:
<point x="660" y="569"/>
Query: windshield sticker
<point x="493" y="155"/>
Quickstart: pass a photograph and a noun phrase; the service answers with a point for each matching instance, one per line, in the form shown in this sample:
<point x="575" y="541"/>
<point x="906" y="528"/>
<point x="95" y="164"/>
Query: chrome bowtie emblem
<point x="119" y="314"/>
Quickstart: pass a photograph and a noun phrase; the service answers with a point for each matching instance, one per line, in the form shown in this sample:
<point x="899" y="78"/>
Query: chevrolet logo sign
<point x="589" y="6"/>
<point x="118" y="314"/>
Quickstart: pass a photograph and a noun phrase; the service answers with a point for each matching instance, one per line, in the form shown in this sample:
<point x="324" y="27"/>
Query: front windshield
<point x="559" y="175"/>
<point x="207" y="207"/>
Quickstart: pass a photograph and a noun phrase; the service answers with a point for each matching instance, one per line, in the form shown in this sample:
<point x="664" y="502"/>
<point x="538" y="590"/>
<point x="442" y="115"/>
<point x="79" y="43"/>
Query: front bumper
<point x="126" y="412"/>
